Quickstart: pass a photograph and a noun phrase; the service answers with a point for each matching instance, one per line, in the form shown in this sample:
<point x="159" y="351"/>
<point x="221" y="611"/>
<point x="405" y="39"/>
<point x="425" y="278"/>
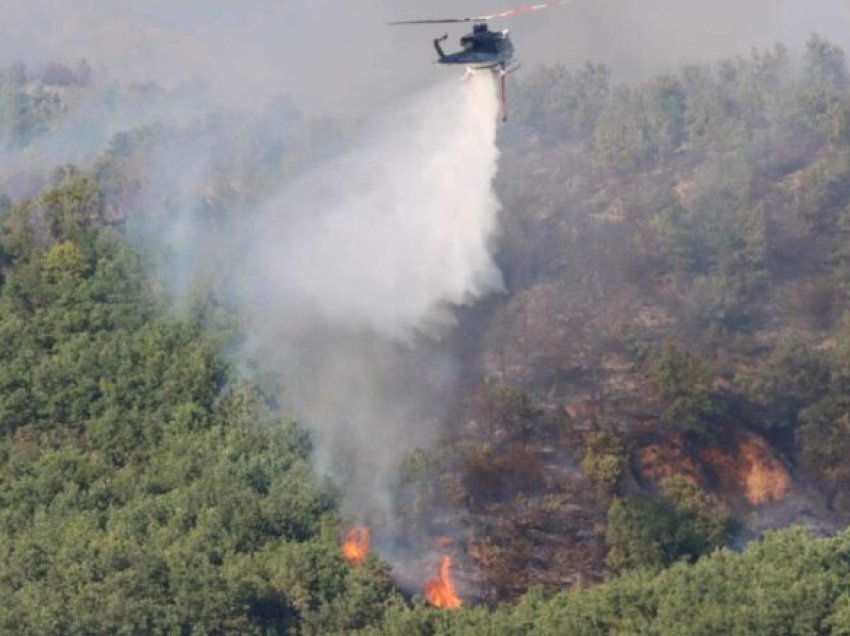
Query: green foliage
<point x="665" y="106"/>
<point x="685" y="522"/>
<point x="824" y="443"/>
<point x="683" y="384"/>
<point x="640" y="128"/>
<point x="788" y="583"/>
<point x="716" y="305"/>
<point x="824" y="192"/>
<point x="604" y="462"/>
<point x="805" y="390"/>
<point x="140" y="491"/>
<point x="704" y="520"/>
<point x="560" y="105"/>
<point x="793" y="377"/>
<point x="825" y="86"/>
<point x="641" y="534"/>
<point x="622" y="141"/>
<point x="507" y="412"/>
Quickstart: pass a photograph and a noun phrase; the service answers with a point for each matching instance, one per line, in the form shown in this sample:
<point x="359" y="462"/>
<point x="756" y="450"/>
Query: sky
<point x="340" y="56"/>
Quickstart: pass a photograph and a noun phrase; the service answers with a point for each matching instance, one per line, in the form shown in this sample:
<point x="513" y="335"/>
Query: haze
<point x="340" y="57"/>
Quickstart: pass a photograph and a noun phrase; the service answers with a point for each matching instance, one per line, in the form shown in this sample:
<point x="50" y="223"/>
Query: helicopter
<point x="484" y="49"/>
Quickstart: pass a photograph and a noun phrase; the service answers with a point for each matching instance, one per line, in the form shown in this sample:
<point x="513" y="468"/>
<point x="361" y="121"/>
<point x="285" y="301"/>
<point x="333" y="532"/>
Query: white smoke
<point x="387" y="237"/>
<point x="349" y="271"/>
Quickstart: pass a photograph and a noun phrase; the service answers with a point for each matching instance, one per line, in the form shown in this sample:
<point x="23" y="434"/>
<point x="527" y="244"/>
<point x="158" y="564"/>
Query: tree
<point x="824" y="443"/>
<point x="685" y="522"/>
<point x="682" y="383"/>
<point x="136" y="492"/>
<point x="824" y="89"/>
<point x="793" y="377"/>
<point x="604" y="462"/>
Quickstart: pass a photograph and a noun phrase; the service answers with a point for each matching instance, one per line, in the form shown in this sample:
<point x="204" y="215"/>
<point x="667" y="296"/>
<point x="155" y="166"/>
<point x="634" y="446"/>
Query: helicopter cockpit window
<point x="467" y="42"/>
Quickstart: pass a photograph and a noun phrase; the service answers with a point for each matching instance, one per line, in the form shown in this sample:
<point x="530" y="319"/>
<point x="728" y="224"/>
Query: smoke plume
<point x="349" y="272"/>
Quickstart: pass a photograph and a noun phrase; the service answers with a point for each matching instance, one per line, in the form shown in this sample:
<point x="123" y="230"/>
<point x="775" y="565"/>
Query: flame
<point x="765" y="479"/>
<point x="659" y="462"/>
<point x="440" y="591"/>
<point x="355" y="547"/>
<point x="753" y="468"/>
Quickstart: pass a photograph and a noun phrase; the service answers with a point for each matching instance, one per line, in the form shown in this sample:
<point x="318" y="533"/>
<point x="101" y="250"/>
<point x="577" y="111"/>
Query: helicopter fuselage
<point x="482" y="49"/>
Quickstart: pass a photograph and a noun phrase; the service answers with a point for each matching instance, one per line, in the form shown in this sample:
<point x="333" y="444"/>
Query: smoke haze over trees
<point x="624" y="373"/>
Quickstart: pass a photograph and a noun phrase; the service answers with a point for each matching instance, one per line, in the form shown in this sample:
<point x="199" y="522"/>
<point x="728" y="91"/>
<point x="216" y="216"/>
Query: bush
<point x="682" y="383"/>
<point x="604" y="462"/>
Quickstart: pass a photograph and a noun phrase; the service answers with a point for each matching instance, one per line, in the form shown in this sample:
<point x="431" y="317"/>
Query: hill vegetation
<point x="667" y="375"/>
<point x="143" y="488"/>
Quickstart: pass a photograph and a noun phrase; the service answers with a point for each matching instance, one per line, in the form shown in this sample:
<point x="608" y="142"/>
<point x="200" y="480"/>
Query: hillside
<point x="663" y="382"/>
<point x="676" y="268"/>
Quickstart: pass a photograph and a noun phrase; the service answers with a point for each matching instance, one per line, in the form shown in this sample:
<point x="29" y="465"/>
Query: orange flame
<point x="355" y="547"/>
<point x="752" y="468"/>
<point x="765" y="479"/>
<point x="659" y="462"/>
<point x="440" y="591"/>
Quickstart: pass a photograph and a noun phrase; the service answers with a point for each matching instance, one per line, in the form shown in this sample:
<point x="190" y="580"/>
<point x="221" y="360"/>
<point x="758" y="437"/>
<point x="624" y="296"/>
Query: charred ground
<point x="671" y="344"/>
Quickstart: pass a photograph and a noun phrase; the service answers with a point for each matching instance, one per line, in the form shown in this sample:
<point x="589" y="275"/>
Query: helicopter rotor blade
<point x="509" y="13"/>
<point x="446" y="21"/>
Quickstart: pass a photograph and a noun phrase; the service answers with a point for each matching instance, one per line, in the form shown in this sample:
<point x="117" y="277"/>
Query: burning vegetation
<point x="355" y="546"/>
<point x="664" y="460"/>
<point x="752" y="468"/>
<point x="765" y="479"/>
<point x="440" y="590"/>
<point x="744" y="464"/>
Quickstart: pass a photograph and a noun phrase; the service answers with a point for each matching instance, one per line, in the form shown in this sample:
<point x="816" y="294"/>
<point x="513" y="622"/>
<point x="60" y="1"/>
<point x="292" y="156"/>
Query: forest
<point x="651" y="436"/>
